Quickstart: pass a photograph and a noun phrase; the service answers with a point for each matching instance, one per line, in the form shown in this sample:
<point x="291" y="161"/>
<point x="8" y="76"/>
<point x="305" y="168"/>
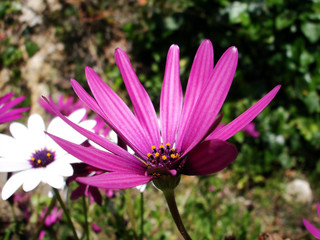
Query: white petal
<point x="19" y="131"/>
<point x="36" y="128"/>
<point x="112" y="136"/>
<point x="60" y="167"/>
<point x="36" y="123"/>
<point x="13" y="165"/>
<point x="33" y="179"/>
<point x="13" y="184"/>
<point x="70" y="159"/>
<point x="54" y="180"/>
<point x="78" y="115"/>
<point x="142" y="187"/>
<point x="7" y="145"/>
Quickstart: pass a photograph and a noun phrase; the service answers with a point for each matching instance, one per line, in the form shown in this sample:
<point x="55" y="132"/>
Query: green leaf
<point x="311" y="31"/>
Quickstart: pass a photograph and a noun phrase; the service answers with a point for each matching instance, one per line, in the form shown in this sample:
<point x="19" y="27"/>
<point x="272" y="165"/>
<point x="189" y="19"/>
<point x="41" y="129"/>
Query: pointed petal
<point x="141" y="102"/>
<point x="120" y="118"/>
<point x="112" y="147"/>
<point x="245" y="118"/>
<point x="209" y="157"/>
<point x="211" y="100"/>
<point x="5" y="98"/>
<point x="312" y="229"/>
<point x="115" y="180"/>
<point x="13" y="165"/>
<point x="78" y="192"/>
<point x="171" y="97"/>
<point x="100" y="159"/>
<point x="11" y="104"/>
<point x="201" y="69"/>
<point x="13" y="184"/>
<point x="86" y="98"/>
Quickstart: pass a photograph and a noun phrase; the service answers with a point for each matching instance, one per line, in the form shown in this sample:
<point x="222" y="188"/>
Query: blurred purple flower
<point x="66" y="105"/>
<point x="185" y="142"/>
<point x="93" y="193"/>
<point x="312" y="229"/>
<point x="251" y="131"/>
<point x="53" y="217"/>
<point x="96" y="228"/>
<point x="23" y="201"/>
<point x="6" y="112"/>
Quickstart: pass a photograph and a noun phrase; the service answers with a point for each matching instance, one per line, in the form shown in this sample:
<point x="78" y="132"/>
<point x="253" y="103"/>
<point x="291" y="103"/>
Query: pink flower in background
<point x="185" y="142"/>
<point x="6" y="112"/>
<point x="251" y="131"/>
<point x="96" y="228"/>
<point x="53" y="217"/>
<point x="312" y="229"/>
<point x="66" y="105"/>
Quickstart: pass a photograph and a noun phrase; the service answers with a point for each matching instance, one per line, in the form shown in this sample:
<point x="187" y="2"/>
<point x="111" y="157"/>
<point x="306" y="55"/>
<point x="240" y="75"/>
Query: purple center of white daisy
<point x="163" y="161"/>
<point x="41" y="158"/>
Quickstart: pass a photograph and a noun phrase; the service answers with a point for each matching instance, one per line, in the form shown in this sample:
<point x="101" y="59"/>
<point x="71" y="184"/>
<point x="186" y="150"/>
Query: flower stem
<point x="85" y="212"/>
<point x="171" y="201"/>
<point x="141" y="216"/>
<point x="50" y="207"/>
<point x="130" y="213"/>
<point x="65" y="211"/>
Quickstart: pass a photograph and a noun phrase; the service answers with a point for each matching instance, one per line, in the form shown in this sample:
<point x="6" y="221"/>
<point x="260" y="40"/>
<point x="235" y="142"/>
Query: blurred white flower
<point x="35" y="156"/>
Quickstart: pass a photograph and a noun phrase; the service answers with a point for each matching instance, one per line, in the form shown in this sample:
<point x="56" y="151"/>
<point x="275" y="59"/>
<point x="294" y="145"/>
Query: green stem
<point x="65" y="211"/>
<point x="49" y="209"/>
<point x="131" y="215"/>
<point x="171" y="201"/>
<point x="85" y="212"/>
<point x="141" y="215"/>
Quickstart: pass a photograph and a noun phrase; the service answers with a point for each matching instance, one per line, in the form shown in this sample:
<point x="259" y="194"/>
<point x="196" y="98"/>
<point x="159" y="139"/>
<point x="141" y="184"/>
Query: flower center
<point x="162" y="161"/>
<point x="41" y="158"/>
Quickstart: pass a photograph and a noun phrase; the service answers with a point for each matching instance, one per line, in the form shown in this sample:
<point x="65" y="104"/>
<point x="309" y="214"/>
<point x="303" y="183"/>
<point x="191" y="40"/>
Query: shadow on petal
<point x="209" y="157"/>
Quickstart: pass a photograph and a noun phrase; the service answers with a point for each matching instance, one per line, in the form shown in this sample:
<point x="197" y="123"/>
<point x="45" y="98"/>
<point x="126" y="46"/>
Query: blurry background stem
<point x="131" y="214"/>
<point x="65" y="211"/>
<point x="85" y="213"/>
<point x="141" y="215"/>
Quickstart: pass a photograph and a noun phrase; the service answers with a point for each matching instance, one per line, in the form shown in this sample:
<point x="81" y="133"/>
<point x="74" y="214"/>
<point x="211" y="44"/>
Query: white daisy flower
<point x="35" y="156"/>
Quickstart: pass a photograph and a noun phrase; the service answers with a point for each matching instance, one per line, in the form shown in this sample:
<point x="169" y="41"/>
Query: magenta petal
<point x="142" y="105"/>
<point x="5" y="98"/>
<point x="209" y="157"/>
<point x="201" y="69"/>
<point x="245" y="118"/>
<point x="100" y="159"/>
<point x="78" y="192"/>
<point x="171" y="97"/>
<point x="11" y="104"/>
<point x="86" y="98"/>
<point x="114" y="148"/>
<point x="120" y="117"/>
<point x="211" y="100"/>
<point x="94" y="192"/>
<point x="312" y="229"/>
<point x="115" y="180"/>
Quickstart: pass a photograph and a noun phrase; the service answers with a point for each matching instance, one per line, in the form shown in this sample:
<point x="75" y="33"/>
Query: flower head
<point x="251" y="131"/>
<point x="53" y="217"/>
<point x="186" y="142"/>
<point x="34" y="156"/>
<point x="6" y="112"/>
<point x="312" y="229"/>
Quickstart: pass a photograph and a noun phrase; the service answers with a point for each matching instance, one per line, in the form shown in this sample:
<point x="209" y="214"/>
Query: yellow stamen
<point x="156" y="154"/>
<point x="168" y="144"/>
<point x="164" y="158"/>
<point x="32" y="159"/>
<point x="153" y="147"/>
<point x="149" y="155"/>
<point x="48" y="155"/>
<point x="39" y="161"/>
<point x="161" y="146"/>
<point x="173" y="156"/>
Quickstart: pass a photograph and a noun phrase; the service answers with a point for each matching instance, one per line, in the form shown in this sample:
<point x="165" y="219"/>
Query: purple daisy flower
<point x="312" y="229"/>
<point x="6" y="112"/>
<point x="186" y="142"/>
